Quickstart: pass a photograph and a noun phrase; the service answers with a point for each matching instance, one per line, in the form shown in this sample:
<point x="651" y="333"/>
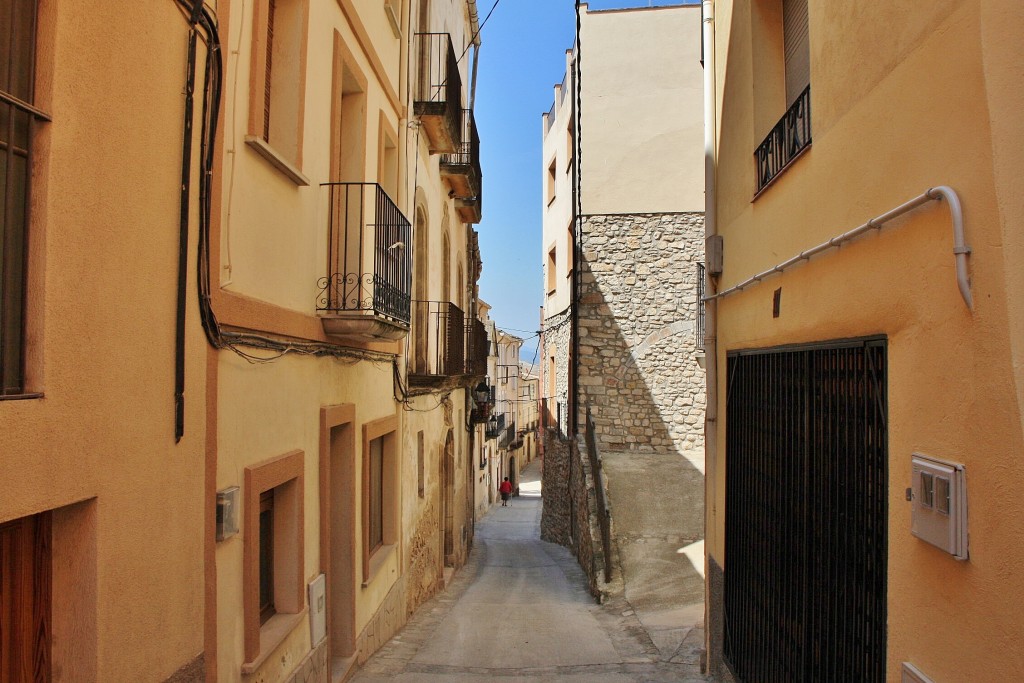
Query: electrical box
<point x="318" y="609"/>
<point x="911" y="674"/>
<point x="227" y="513"/>
<point x="939" y="504"/>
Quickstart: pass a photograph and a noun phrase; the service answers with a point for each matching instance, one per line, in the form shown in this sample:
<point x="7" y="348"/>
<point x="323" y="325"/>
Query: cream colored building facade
<point x="865" y="424"/>
<point x="622" y="231"/>
<point x="344" y="276"/>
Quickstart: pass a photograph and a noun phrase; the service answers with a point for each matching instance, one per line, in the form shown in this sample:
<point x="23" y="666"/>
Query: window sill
<point x="551" y="292"/>
<point x="377" y="560"/>
<point x="20" y="397"/>
<point x="272" y="634"/>
<point x="276" y="160"/>
<point x="551" y="201"/>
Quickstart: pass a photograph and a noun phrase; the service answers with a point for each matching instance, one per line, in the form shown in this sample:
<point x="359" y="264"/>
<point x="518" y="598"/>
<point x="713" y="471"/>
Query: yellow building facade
<point x="865" y="370"/>
<point x="103" y="405"/>
<point x="343" y="281"/>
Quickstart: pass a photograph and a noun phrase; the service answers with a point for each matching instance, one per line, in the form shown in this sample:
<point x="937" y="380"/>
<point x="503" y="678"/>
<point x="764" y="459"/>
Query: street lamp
<point x="481" y="393"/>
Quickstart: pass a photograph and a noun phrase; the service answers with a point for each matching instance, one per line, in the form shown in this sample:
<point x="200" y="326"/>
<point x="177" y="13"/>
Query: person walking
<point x="505" y="488"/>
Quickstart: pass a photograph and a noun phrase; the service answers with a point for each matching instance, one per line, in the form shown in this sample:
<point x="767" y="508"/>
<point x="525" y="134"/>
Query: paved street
<point x="519" y="609"/>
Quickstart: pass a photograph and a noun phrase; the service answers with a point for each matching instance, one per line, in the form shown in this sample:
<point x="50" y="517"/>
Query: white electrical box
<point x="317" y="609"/>
<point x="938" y="497"/>
<point x="227" y="513"/>
<point x="911" y="674"/>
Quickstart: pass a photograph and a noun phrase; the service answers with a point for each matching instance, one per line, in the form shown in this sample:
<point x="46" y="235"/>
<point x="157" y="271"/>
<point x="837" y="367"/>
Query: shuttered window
<point x="798" y="56"/>
<point x="17" y="118"/>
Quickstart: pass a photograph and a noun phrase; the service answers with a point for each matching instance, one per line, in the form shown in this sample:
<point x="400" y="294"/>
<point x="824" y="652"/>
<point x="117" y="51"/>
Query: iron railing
<point x="698" y="327"/>
<point x="369" y="253"/>
<point x="790" y="136"/>
<point x="476" y="348"/>
<point x="438" y="89"/>
<point x="439" y="337"/>
<point x="466" y="161"/>
<point x="508" y="435"/>
<point x="495" y="426"/>
<point x="806" y="518"/>
<point x="604" y="513"/>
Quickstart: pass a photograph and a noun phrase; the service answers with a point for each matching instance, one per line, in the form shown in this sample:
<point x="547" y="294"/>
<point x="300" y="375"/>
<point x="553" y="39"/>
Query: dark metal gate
<point x="806" y="513"/>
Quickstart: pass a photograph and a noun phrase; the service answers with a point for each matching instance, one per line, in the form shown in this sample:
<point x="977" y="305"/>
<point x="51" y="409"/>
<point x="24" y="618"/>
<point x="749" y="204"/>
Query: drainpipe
<point x="710" y="313"/>
<point x="474" y="27"/>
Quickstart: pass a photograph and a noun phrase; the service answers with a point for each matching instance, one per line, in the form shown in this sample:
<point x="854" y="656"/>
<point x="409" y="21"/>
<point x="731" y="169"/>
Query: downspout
<point x="474" y="27"/>
<point x="711" y="618"/>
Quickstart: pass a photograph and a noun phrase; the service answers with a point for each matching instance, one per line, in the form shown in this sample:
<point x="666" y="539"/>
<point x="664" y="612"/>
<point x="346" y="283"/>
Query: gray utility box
<point x="939" y="504"/>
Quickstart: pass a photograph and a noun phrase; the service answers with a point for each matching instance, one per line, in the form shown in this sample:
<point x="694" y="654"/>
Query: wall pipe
<point x="960" y="249"/>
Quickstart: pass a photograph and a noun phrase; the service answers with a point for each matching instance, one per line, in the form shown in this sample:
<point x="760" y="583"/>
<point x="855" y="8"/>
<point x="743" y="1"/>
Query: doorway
<point x="806" y="512"/>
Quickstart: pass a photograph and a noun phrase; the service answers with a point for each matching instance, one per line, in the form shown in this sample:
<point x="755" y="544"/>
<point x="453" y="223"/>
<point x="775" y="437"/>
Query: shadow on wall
<point x="646" y="390"/>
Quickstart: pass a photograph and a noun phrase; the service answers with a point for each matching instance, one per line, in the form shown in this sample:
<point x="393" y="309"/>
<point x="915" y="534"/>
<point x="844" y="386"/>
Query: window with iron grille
<point x="18" y="118"/>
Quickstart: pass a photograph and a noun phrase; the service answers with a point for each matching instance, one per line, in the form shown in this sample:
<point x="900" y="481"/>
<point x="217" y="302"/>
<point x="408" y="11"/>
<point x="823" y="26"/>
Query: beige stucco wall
<point x="641" y="118"/>
<point x="934" y="105"/>
<point x="272" y="250"/>
<point x="557" y="195"/>
<point x="127" y="598"/>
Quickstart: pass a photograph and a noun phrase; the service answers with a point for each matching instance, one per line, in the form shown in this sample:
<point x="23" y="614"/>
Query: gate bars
<point x="806" y="513"/>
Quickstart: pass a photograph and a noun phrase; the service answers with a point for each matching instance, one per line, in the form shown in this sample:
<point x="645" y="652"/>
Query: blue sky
<point x="522" y="57"/>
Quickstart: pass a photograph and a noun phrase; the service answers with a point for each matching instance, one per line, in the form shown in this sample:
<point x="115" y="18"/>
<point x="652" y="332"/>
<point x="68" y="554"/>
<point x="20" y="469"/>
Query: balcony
<point x="439" y="338"/>
<point x="462" y="171"/>
<point x="507" y="438"/>
<point x="476" y="348"/>
<point x="790" y="137"/>
<point x="495" y="426"/>
<point x="437" y="99"/>
<point x="365" y="295"/>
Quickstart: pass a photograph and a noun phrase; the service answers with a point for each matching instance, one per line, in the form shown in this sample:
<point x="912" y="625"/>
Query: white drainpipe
<point x="710" y="306"/>
<point x="932" y="194"/>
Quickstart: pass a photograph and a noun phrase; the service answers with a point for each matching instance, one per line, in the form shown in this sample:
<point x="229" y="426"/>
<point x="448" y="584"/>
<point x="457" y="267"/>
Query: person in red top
<point x="505" y="488"/>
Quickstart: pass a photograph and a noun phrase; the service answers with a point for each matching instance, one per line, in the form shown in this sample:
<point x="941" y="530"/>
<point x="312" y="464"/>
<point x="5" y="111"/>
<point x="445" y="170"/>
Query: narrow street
<point x="519" y="609"/>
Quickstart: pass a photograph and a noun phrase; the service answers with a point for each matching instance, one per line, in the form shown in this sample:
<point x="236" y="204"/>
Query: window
<point x="25" y="572"/>
<point x="376" y="517"/>
<point x="552" y="271"/>
<point x="380" y="493"/>
<point x="18" y="118"/>
<point x="420" y="473"/>
<point x="798" y="58"/>
<point x="274" y="593"/>
<point x="550" y="182"/>
<point x="570" y="249"/>
<point x="387" y="174"/>
<point x="266" y="555"/>
<point x="278" y="83"/>
<point x="781" y="83"/>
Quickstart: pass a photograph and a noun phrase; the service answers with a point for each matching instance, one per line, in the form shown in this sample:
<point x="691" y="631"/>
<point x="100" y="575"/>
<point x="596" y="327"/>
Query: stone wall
<point x="390" y="617"/>
<point x="569" y="516"/>
<point x="423" y="580"/>
<point x="555" y="519"/>
<point x="638" y="311"/>
<point x="557" y="335"/>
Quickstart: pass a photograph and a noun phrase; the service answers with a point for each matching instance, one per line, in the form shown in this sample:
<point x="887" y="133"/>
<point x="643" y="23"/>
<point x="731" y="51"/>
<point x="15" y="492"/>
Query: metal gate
<point x="806" y="513"/>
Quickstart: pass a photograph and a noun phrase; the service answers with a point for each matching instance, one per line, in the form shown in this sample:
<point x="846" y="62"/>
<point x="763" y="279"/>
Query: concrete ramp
<point x="657" y="502"/>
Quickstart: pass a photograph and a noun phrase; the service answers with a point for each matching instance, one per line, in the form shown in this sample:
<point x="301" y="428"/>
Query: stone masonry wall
<point x="570" y="505"/>
<point x="638" y="308"/>
<point x="557" y="335"/>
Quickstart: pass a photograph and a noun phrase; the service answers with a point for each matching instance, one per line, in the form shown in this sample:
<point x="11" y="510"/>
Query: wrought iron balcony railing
<point x="369" y="263"/>
<point x="507" y="436"/>
<point x="462" y="168"/>
<point x="495" y="426"/>
<point x="790" y="136"/>
<point x="438" y="339"/>
<point x="438" y="91"/>
<point x="476" y="350"/>
<point x="698" y="337"/>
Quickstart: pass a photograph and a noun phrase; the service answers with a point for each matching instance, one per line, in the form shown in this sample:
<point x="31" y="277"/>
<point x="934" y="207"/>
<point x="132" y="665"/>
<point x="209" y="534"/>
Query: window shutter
<point x="798" y="56"/>
<point x="270" y="60"/>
